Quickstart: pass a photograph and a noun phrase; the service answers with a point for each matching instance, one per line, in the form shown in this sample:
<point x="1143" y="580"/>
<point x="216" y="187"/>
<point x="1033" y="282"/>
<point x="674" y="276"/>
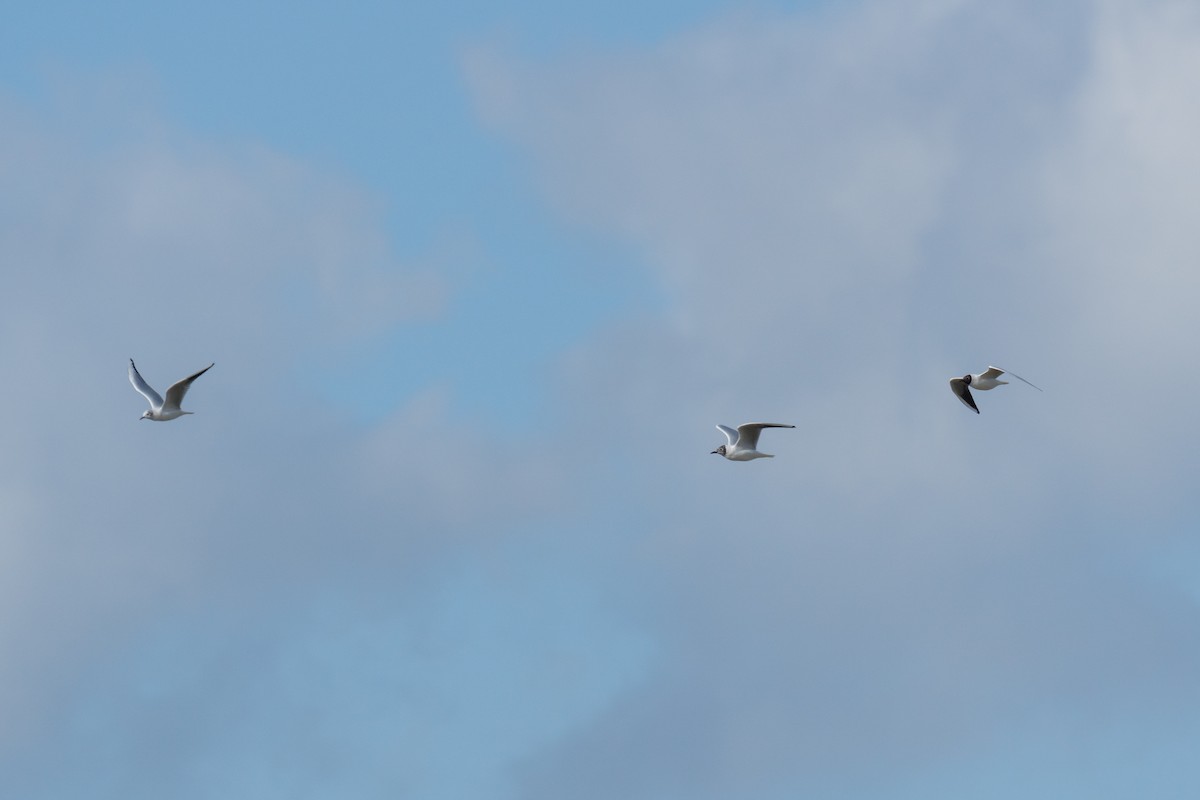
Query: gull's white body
<point x="984" y="381"/>
<point x="743" y="443"/>
<point x="163" y="410"/>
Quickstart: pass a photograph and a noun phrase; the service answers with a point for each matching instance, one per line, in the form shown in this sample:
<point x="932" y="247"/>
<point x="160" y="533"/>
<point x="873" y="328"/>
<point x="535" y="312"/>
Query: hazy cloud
<point x="167" y="589"/>
<point x="842" y="208"/>
<point x="846" y="209"/>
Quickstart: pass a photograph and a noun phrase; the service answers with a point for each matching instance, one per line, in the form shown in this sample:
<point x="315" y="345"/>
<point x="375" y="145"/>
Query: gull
<point x="983" y="382"/>
<point x="744" y="441"/>
<point x="163" y="410"/>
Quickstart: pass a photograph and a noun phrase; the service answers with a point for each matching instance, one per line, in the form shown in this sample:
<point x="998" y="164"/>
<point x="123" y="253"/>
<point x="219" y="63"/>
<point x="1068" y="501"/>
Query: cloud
<point x="844" y="210"/>
<point x="167" y="588"/>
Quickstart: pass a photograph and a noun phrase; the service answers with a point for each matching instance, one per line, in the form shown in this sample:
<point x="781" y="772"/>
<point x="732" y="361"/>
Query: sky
<point x="479" y="279"/>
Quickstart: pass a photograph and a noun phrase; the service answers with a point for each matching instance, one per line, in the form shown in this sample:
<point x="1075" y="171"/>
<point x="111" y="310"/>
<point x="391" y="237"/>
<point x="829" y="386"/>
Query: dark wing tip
<point x="963" y="393"/>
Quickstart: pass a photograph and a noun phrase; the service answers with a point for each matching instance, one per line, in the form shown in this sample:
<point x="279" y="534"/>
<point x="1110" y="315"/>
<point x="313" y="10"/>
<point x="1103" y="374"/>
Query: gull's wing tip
<point x="963" y="393"/>
<point x="1018" y="377"/>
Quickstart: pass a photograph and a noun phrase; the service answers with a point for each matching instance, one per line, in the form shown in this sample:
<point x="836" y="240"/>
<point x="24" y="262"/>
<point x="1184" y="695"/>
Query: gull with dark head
<point x="743" y="443"/>
<point x="984" y="381"/>
<point x="162" y="410"/>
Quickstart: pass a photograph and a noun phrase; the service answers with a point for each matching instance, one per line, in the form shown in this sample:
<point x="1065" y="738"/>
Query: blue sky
<point x="479" y="281"/>
<point x="377" y="93"/>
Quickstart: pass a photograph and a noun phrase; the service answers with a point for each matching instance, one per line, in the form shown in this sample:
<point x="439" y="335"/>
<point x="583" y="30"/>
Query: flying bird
<point x="743" y="443"/>
<point x="983" y="382"/>
<point x="163" y="410"/>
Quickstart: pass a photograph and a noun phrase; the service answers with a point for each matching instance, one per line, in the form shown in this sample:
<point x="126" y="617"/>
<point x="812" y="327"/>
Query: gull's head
<point x="967" y="378"/>
<point x="147" y="414"/>
<point x="720" y="451"/>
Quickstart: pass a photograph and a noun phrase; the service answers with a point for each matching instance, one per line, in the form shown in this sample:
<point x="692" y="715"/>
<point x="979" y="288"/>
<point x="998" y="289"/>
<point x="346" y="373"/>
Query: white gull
<point x="743" y="443"/>
<point x="163" y="410"/>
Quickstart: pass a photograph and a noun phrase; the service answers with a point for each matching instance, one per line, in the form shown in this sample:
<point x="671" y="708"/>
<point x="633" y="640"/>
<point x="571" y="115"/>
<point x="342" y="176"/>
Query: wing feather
<point x="179" y="389"/>
<point x="748" y="432"/>
<point x="999" y="371"/>
<point x="963" y="392"/>
<point x="731" y="436"/>
<point x="143" y="388"/>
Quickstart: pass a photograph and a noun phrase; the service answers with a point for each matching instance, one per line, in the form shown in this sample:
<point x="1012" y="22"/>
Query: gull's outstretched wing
<point x="963" y="392"/>
<point x="991" y="373"/>
<point x="999" y="371"/>
<point x="748" y="432"/>
<point x="143" y="388"/>
<point x="179" y="389"/>
<point x="731" y="436"/>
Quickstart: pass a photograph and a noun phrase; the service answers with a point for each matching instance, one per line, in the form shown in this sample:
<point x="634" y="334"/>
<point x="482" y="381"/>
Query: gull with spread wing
<point x="743" y="443"/>
<point x="983" y="382"/>
<point x="162" y="410"/>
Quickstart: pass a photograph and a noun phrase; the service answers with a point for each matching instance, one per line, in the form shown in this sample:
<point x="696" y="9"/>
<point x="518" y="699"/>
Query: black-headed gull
<point x="744" y="441"/>
<point x="163" y="410"/>
<point x="983" y="381"/>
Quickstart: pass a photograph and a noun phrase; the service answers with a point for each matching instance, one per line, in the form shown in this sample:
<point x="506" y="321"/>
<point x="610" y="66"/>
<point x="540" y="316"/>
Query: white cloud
<point x="845" y="210"/>
<point x="122" y="538"/>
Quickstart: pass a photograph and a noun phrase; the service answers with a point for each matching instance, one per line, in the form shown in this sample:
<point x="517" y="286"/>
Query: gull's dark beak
<point x="714" y="453"/>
